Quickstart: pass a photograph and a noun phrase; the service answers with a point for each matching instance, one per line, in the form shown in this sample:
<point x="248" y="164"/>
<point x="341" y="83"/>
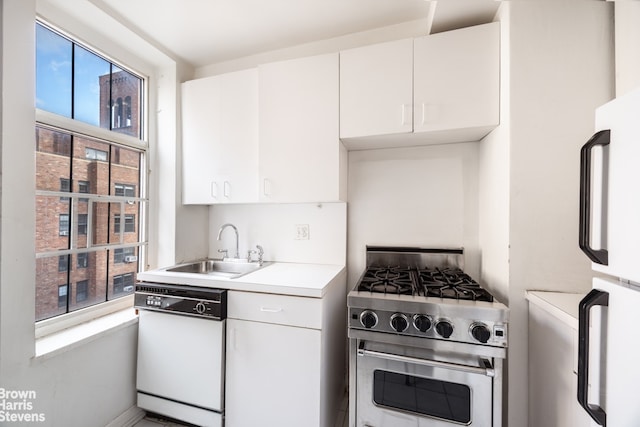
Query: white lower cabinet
<point x="552" y="372"/>
<point x="285" y="363"/>
<point x="272" y="375"/>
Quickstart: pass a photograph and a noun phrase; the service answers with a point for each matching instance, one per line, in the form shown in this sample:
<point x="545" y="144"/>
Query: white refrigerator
<point x="609" y="316"/>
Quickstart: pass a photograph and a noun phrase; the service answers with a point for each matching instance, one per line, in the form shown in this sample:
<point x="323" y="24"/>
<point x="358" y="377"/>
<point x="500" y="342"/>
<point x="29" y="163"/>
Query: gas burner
<point x="388" y="280"/>
<point x="451" y="283"/>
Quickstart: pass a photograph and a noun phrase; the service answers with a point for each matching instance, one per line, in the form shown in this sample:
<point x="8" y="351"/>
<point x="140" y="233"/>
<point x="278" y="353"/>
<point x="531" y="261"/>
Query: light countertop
<point x="562" y="305"/>
<point x="308" y="280"/>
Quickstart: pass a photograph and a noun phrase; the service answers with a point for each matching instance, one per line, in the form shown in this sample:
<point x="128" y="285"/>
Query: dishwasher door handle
<point x="487" y="370"/>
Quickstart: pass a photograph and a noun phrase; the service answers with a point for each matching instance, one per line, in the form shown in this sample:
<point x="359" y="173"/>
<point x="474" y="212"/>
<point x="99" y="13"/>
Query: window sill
<point x="70" y="338"/>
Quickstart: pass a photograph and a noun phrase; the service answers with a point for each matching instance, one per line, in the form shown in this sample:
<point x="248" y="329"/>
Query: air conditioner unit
<point x="130" y="258"/>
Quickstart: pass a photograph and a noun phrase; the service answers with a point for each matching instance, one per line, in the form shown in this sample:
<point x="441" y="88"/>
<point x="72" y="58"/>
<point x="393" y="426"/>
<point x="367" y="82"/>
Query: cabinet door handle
<point x="271" y="309"/>
<point x="227" y="189"/>
<point x="214" y="189"/>
<point x="266" y="187"/>
<point x="406" y="114"/>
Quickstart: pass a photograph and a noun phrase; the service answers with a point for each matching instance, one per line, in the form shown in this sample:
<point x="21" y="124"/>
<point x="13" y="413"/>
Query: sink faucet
<point x="236" y="231"/>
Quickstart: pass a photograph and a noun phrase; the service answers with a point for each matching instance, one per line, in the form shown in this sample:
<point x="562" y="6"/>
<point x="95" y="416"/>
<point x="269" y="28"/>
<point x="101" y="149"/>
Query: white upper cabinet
<point x="376" y="90"/>
<point x="435" y="89"/>
<point x="301" y="158"/>
<point x="220" y="139"/>
<point x="457" y="82"/>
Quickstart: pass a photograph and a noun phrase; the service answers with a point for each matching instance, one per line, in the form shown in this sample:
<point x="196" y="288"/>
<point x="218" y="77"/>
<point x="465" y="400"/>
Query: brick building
<point x="81" y="165"/>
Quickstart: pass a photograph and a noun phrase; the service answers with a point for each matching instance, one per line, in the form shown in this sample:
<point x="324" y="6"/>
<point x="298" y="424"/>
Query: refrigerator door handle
<point x="600" y="256"/>
<point x="593" y="298"/>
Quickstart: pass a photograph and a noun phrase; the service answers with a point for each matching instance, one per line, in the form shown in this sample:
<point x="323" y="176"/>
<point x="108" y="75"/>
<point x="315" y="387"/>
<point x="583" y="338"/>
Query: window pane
<point x="123" y="267"/>
<point x="125" y="102"/>
<point x="52" y="224"/>
<point x="53" y="160"/>
<point x="82" y="260"/>
<point x="88" y="284"/>
<point x="53" y="72"/>
<point x="50" y="298"/>
<point x="91" y="87"/>
<point x="90" y="165"/>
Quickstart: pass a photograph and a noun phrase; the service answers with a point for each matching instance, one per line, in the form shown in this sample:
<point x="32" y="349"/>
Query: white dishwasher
<point x="181" y="336"/>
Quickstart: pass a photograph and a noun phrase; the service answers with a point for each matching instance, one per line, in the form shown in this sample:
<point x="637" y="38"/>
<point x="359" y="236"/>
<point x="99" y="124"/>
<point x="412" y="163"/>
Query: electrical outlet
<point x="302" y="231"/>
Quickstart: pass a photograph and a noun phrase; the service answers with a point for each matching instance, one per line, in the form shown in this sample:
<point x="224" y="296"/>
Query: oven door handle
<point x="486" y="370"/>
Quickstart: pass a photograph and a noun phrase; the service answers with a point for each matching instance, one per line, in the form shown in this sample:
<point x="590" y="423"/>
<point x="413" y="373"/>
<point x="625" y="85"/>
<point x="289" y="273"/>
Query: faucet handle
<point x="225" y="252"/>
<point x="260" y="252"/>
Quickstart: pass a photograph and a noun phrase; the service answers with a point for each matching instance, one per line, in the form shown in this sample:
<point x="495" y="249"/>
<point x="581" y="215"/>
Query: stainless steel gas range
<point x="427" y="342"/>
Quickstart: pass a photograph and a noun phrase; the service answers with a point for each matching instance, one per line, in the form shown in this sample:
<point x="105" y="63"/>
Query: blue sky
<point x="54" y="76"/>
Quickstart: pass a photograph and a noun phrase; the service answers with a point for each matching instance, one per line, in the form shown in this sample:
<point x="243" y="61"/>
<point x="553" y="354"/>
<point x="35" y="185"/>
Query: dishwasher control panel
<point x="184" y="300"/>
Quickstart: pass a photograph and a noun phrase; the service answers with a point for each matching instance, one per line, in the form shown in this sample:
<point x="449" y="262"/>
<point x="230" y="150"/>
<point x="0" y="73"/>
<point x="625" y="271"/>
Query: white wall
<point x="627" y="34"/>
<point x="558" y="59"/>
<point x="273" y="227"/>
<point x="419" y="196"/>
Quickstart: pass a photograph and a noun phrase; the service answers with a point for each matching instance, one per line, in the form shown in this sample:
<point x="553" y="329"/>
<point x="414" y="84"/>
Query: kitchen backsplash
<point x="306" y="233"/>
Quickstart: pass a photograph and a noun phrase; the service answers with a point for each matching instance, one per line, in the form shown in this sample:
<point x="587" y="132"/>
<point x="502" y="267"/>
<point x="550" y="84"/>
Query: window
<point x="82" y="288"/>
<point x="63" y="263"/>
<point x="82" y="224"/>
<point x="63" y="227"/>
<point x="82" y="260"/>
<point x="93" y="154"/>
<point x="123" y="283"/>
<point x="125" y="190"/>
<point x="62" y="296"/>
<point x="129" y="223"/>
<point x="76" y="86"/>
<point x="124" y="255"/>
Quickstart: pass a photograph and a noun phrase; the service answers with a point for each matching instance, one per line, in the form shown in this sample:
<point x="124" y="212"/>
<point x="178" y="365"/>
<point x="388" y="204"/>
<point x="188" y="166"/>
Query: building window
<point x="82" y="260"/>
<point x="93" y="154"/>
<point x="129" y="223"/>
<point x="123" y="283"/>
<point x="83" y="187"/>
<point x="76" y="82"/>
<point x="65" y="186"/>
<point x="62" y="296"/>
<point x="82" y="224"/>
<point x="63" y="225"/>
<point x="125" y="190"/>
<point x="122" y="255"/>
<point x="82" y="288"/>
<point x="63" y="263"/>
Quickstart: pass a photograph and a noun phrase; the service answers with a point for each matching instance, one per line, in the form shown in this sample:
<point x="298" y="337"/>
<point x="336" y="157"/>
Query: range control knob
<point x="399" y="322"/>
<point x="444" y="328"/>
<point x="480" y="332"/>
<point x="368" y="319"/>
<point x="201" y="308"/>
<point x="421" y="322"/>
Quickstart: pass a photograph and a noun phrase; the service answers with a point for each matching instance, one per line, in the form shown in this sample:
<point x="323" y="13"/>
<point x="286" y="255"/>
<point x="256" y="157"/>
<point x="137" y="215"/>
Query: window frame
<point x="76" y="127"/>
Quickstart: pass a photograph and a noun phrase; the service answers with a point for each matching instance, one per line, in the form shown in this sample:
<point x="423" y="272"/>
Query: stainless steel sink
<point x="222" y="268"/>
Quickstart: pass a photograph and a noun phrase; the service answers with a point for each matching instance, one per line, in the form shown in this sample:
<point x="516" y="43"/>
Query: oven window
<point x="424" y="396"/>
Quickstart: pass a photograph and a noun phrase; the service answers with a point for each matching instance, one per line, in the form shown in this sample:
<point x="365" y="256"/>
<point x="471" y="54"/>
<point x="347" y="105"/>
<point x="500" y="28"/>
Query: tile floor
<point x="342" y="419"/>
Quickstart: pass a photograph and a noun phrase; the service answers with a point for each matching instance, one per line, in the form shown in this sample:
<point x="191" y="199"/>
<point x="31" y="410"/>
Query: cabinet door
<point x="220" y="138"/>
<point x="552" y="380"/>
<point x="376" y="89"/>
<point x="272" y="375"/>
<point x="457" y="77"/>
<point x="299" y="142"/>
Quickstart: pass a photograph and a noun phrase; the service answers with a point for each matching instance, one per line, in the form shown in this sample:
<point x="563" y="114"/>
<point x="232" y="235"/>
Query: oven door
<point x="407" y="387"/>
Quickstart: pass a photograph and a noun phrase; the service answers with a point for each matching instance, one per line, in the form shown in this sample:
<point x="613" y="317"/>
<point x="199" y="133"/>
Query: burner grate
<point x="451" y="283"/>
<point x="388" y="280"/>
